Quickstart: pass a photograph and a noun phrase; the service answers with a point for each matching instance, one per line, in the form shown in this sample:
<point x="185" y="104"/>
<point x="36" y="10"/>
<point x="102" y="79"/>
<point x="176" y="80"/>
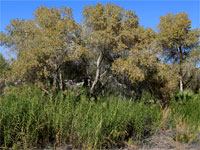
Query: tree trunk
<point x="54" y="79"/>
<point x="181" y="72"/>
<point x="181" y="84"/>
<point x="60" y="80"/>
<point x="99" y="60"/>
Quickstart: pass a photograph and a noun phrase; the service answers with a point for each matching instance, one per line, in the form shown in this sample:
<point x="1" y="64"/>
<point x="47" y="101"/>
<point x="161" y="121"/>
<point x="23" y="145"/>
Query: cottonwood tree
<point x="177" y="39"/>
<point x="118" y="43"/>
<point x="109" y="46"/>
<point x="110" y="32"/>
<point x="43" y="44"/>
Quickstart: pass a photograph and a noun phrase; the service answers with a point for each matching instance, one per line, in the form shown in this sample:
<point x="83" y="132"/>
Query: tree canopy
<point x="44" y="44"/>
<point x="109" y="47"/>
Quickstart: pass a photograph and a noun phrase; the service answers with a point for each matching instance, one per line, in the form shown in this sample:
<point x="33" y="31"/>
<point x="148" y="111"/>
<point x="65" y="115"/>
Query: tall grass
<point x="185" y="111"/>
<point x="31" y="118"/>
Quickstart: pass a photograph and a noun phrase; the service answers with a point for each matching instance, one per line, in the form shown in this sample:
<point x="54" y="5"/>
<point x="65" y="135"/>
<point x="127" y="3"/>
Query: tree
<point x="124" y="51"/>
<point x="176" y="39"/>
<point x="110" y="31"/>
<point x="44" y="44"/>
<point x="109" y="47"/>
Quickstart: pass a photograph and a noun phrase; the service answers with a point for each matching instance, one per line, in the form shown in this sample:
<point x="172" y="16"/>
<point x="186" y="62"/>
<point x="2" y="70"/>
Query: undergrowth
<point x="32" y="118"/>
<point x="185" y="114"/>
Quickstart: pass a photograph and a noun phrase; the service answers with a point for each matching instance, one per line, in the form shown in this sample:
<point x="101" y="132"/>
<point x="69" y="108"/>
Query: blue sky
<point x="149" y="11"/>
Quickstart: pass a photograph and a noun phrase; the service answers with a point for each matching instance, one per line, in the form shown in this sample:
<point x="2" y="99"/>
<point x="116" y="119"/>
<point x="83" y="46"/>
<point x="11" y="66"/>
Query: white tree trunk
<point x="181" y="84"/>
<point x="99" y="60"/>
<point x="181" y="71"/>
<point x="60" y="80"/>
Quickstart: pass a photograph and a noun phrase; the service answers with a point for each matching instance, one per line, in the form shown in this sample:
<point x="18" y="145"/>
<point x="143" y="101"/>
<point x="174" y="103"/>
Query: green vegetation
<point x="31" y="118"/>
<point x="100" y="83"/>
<point x="186" y="115"/>
<point x="109" y="47"/>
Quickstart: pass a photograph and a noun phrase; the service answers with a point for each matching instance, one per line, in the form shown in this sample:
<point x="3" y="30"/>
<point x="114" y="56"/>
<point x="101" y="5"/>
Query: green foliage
<point x="4" y="67"/>
<point x="3" y="64"/>
<point x="30" y="118"/>
<point x="186" y="116"/>
<point x="122" y="46"/>
<point x="175" y="35"/>
<point x="109" y="47"/>
<point x="147" y="97"/>
<point x="185" y="96"/>
<point x="117" y="54"/>
<point x="190" y="70"/>
<point x="43" y="44"/>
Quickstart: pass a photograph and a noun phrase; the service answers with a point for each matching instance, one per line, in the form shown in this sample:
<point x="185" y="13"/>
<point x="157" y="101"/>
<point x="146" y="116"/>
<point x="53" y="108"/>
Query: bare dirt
<point x="163" y="140"/>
